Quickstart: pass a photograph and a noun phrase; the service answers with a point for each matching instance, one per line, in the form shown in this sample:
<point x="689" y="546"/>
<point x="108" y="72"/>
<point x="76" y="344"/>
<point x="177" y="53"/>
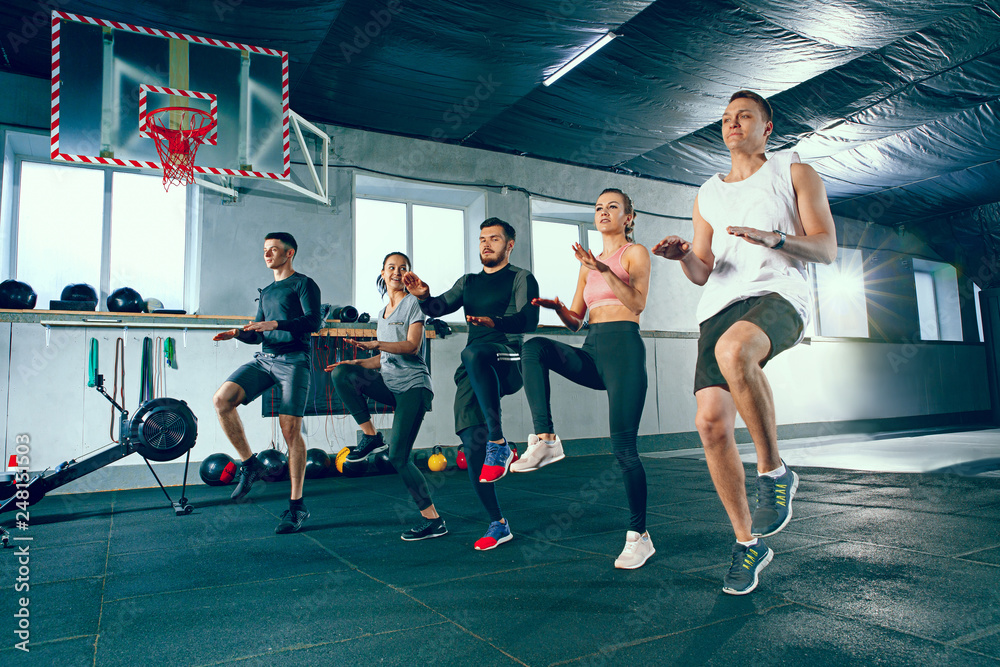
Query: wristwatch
<point x="781" y="241"/>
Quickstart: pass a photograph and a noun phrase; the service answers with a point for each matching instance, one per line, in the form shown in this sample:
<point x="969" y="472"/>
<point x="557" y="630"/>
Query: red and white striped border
<point x="166" y="33"/>
<point x="213" y="109"/>
<point x="57" y="16"/>
<point x="54" y="91"/>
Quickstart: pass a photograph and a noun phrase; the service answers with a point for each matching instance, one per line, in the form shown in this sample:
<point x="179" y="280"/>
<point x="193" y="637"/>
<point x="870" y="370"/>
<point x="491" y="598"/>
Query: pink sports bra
<point x="596" y="292"/>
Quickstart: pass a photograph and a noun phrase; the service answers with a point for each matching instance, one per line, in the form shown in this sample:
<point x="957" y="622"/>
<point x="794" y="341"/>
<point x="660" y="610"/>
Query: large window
<point x="60" y="228"/>
<point x="937" y="300"/>
<point x="841" y="308"/>
<point x="66" y="234"/>
<point x="555" y="227"/>
<point x="432" y="235"/>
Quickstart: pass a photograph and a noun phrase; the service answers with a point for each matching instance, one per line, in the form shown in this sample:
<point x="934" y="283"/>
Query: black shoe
<point x="292" y="520"/>
<point x="428" y="529"/>
<point x="250" y="472"/>
<point x="370" y="444"/>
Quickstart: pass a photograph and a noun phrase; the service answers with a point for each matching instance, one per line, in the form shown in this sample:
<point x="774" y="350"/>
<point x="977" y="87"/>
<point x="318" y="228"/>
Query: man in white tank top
<point x="755" y="228"/>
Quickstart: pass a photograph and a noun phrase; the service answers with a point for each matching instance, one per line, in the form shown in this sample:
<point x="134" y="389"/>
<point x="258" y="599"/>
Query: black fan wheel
<point x="163" y="429"/>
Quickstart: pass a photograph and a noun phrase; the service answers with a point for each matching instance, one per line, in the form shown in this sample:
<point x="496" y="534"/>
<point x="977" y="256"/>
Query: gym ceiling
<point x="894" y="102"/>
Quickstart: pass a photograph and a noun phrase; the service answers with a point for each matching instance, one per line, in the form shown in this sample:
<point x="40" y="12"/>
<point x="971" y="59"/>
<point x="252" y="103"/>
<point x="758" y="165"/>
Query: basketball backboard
<point x="108" y="78"/>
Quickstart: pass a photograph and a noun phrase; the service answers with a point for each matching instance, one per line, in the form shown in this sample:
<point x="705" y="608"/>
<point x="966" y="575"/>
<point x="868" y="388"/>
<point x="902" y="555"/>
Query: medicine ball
<point x="79" y="292"/>
<point x="317" y="463"/>
<point x="356" y="468"/>
<point x="275" y="465"/>
<point x="346" y="314"/>
<point x="218" y="470"/>
<point x="125" y="300"/>
<point x="16" y="295"/>
<point x="383" y="465"/>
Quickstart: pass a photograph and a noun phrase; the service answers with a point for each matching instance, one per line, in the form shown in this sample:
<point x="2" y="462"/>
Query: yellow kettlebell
<point x="341" y="457"/>
<point x="437" y="462"/>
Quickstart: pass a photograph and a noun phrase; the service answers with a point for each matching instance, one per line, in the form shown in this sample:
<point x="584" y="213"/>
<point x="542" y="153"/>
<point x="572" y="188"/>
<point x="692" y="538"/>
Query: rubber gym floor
<point x="894" y="569"/>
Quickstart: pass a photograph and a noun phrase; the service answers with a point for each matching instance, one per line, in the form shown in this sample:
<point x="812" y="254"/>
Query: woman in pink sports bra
<point x="613" y="287"/>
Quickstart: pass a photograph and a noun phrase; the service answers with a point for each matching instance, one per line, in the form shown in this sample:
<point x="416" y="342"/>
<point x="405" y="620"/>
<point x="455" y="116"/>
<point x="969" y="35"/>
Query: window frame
<point x="192" y="221"/>
<point x="409" y="202"/>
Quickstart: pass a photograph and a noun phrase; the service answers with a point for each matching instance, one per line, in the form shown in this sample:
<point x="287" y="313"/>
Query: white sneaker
<point x="538" y="454"/>
<point x="638" y="549"/>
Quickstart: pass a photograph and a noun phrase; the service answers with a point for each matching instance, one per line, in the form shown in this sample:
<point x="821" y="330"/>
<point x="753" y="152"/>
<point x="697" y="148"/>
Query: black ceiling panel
<point x="895" y="102"/>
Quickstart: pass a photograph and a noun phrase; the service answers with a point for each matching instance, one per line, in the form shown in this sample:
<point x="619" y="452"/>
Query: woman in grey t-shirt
<point x="397" y="377"/>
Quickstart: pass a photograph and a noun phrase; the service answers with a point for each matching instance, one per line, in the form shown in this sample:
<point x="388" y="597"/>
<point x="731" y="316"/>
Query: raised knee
<point x="733" y="357"/>
<point x="533" y="349"/>
<point x="469" y="356"/>
<point x="223" y="402"/>
<point x="477" y="360"/>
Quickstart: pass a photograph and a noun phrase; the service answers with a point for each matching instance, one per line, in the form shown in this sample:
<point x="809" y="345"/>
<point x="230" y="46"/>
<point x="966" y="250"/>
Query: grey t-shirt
<point x="402" y="372"/>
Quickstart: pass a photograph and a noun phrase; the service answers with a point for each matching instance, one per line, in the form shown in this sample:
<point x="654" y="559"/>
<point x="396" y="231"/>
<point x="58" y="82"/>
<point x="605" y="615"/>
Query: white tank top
<point x="765" y="200"/>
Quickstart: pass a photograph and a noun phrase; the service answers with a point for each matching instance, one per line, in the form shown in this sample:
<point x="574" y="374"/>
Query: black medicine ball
<point x="17" y="295"/>
<point x="79" y="292"/>
<point x="218" y="470"/>
<point x="125" y="300"/>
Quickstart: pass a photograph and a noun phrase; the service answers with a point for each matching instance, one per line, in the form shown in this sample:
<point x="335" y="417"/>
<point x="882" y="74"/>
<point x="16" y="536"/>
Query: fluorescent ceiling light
<point x="580" y="58"/>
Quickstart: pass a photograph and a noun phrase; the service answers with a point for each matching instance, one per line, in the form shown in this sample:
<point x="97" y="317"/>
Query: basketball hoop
<point x="177" y="146"/>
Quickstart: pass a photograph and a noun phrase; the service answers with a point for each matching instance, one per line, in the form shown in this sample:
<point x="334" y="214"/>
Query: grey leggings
<point x="613" y="358"/>
<point x="353" y="384"/>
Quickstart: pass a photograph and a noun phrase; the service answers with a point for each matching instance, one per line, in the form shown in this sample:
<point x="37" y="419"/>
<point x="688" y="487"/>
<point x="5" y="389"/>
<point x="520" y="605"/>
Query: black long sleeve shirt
<point x="294" y="303"/>
<point x="504" y="296"/>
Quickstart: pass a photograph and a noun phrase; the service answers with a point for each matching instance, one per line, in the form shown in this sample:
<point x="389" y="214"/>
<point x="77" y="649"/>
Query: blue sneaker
<point x="774" y="503"/>
<point x="497" y="463"/>
<point x="496" y="534"/>
<point x="745" y="570"/>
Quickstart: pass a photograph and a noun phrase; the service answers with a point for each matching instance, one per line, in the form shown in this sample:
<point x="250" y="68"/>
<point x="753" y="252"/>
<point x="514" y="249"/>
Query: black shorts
<point x="289" y="371"/>
<point x="773" y="314"/>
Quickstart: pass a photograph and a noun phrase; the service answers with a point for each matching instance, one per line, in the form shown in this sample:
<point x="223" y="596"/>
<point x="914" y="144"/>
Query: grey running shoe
<point x="292" y="520"/>
<point x="430" y="528"/>
<point x="370" y="444"/>
<point x="250" y="471"/>
<point x="744" y="573"/>
<point x="774" y="503"/>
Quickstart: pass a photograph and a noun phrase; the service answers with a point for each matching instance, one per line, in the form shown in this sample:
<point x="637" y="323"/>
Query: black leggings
<point x="353" y="383"/>
<point x="613" y="358"/>
<point x="488" y="371"/>
<point x="474" y="438"/>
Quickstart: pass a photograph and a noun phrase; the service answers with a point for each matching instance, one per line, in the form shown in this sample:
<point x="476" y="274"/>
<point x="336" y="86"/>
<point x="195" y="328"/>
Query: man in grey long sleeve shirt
<point x="288" y="312"/>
